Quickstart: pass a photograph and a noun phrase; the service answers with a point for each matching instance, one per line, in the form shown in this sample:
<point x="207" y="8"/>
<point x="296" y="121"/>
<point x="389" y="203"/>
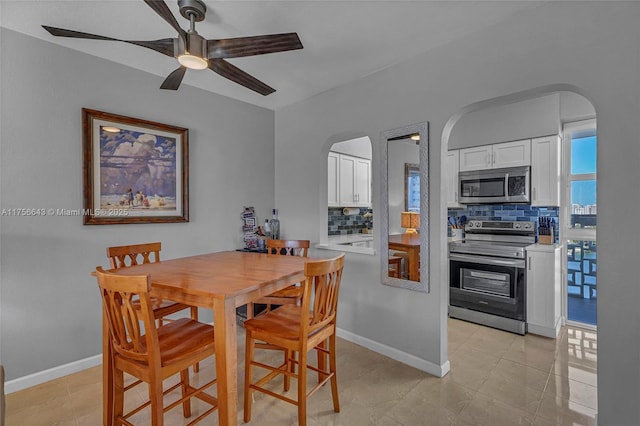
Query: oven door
<point x="488" y="284"/>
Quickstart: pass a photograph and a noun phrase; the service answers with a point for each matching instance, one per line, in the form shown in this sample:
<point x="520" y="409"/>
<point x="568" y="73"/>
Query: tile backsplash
<point x="523" y="212"/>
<point x="348" y="224"/>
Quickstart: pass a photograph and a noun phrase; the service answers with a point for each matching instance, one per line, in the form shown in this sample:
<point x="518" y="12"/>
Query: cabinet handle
<point x="534" y="194"/>
<point x="456" y="197"/>
<point x="529" y="266"/>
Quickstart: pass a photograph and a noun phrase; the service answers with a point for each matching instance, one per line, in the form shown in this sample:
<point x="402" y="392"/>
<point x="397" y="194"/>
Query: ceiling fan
<point x="195" y="52"/>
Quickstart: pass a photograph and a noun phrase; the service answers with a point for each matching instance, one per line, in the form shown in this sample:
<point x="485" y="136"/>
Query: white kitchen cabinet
<point x="499" y="155"/>
<point x="333" y="183"/>
<point x="544" y="289"/>
<point x="349" y="181"/>
<point x="545" y="171"/>
<point x="453" y="167"/>
<point x="363" y="182"/>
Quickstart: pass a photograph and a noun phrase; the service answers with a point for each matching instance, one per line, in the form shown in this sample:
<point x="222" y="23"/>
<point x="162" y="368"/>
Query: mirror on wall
<point x="404" y="207"/>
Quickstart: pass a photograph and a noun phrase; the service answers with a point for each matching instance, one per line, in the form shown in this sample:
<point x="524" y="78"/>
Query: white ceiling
<point x="343" y="40"/>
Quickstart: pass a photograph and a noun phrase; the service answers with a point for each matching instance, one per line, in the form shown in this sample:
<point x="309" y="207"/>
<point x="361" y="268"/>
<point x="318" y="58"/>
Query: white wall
<point x="587" y="47"/>
<point x="50" y="306"/>
<point x="574" y="107"/>
<point x="359" y="147"/>
<point x="503" y="123"/>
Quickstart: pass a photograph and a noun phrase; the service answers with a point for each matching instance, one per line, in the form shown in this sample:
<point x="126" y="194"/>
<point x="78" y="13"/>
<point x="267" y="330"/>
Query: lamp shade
<point x="410" y="220"/>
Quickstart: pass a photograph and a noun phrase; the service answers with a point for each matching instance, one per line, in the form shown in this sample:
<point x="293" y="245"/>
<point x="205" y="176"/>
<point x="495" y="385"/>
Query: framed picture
<point x="134" y="171"/>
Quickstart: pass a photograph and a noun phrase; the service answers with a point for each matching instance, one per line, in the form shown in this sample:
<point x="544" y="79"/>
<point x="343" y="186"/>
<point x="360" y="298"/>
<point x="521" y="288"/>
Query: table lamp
<point x="411" y="221"/>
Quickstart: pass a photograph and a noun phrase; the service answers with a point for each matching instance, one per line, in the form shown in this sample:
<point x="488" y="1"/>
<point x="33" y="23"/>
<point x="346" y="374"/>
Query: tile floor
<point x="496" y="378"/>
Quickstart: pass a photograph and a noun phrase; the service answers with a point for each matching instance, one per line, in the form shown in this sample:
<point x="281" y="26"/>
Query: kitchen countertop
<point x="542" y="247"/>
<point x="348" y="238"/>
<point x="344" y="243"/>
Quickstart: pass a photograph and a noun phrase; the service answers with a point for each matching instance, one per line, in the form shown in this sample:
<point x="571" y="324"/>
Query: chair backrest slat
<point x="131" y="255"/>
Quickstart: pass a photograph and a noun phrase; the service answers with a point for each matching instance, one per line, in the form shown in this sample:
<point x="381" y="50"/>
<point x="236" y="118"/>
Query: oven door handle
<point x="517" y="263"/>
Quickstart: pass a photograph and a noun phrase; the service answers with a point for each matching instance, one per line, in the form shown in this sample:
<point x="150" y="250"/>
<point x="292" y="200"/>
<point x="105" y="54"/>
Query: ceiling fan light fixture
<point x="192" y="61"/>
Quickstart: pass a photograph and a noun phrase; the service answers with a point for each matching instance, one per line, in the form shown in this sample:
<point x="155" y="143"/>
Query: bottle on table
<point x="274" y="224"/>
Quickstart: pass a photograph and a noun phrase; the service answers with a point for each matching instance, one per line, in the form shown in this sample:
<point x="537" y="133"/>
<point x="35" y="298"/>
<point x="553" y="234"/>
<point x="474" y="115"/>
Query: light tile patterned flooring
<point x="496" y="378"/>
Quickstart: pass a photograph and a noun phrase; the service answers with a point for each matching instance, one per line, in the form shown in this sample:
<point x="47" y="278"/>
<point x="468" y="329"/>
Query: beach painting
<point x="136" y="171"/>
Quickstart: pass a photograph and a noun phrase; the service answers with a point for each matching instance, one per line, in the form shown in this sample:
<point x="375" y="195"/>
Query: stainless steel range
<point x="487" y="274"/>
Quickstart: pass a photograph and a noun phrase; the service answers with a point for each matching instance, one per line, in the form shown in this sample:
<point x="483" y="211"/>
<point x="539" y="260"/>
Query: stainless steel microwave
<point x="508" y="185"/>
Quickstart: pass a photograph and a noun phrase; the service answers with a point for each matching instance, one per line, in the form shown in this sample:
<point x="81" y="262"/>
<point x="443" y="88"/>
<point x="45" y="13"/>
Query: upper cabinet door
<point x="475" y="158"/>
<point x="347" y="180"/>
<point x="333" y="180"/>
<point x="453" y="167"/>
<point x="496" y="156"/>
<point x="545" y="171"/>
<point x="363" y="182"/>
<point x="512" y="154"/>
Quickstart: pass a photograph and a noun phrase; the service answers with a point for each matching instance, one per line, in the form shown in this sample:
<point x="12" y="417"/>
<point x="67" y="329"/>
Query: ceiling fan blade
<point x="161" y="8"/>
<point x="233" y="73"/>
<point x="173" y="80"/>
<point x="164" y="46"/>
<point x="256" y="45"/>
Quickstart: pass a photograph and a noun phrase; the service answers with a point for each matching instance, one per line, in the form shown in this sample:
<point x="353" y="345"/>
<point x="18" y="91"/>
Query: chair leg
<point x="322" y="360"/>
<point x="155" y="396"/>
<point x="334" y="379"/>
<point x="184" y="385"/>
<point x="302" y="387"/>
<point x="289" y="356"/>
<point x="118" y="396"/>
<point x="249" y="310"/>
<point x="248" y="374"/>
<point x="194" y="316"/>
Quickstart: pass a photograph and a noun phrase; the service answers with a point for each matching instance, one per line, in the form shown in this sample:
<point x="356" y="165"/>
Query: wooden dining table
<point x="220" y="281"/>
<point x="409" y="243"/>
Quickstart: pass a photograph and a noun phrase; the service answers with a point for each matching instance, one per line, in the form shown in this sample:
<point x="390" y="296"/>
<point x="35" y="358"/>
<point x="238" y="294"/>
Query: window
<point x="581" y="178"/>
<point x="580" y="213"/>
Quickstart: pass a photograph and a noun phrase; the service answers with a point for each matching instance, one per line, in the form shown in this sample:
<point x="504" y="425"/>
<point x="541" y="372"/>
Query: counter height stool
<point x="298" y="329"/>
<point x="138" y="254"/>
<point x="289" y="295"/>
<point x="148" y="352"/>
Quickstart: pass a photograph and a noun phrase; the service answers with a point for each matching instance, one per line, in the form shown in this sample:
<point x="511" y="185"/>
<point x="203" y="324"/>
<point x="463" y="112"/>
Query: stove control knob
<point x="517" y="226"/>
<point x="527" y="226"/>
<point x="472" y="224"/>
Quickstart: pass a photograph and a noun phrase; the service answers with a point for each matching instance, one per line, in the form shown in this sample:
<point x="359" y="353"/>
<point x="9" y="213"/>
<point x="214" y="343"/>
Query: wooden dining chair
<point x="138" y="254"/>
<point x="299" y="329"/>
<point x="395" y="266"/>
<point x="148" y="352"/>
<point x="289" y="295"/>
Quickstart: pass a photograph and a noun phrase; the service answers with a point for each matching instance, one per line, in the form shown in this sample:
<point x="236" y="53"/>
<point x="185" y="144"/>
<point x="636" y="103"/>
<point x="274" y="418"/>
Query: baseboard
<point x="63" y="370"/>
<point x="544" y="331"/>
<point x="53" y="373"/>
<point x="393" y="353"/>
